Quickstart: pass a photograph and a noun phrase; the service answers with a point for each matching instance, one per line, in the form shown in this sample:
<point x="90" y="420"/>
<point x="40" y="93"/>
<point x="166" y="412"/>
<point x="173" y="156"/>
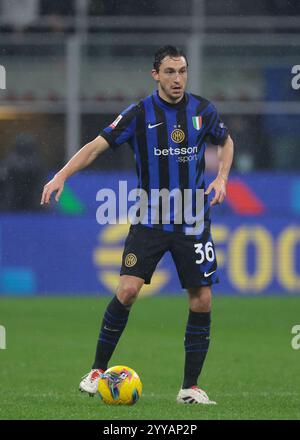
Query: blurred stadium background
<point x="71" y="67"/>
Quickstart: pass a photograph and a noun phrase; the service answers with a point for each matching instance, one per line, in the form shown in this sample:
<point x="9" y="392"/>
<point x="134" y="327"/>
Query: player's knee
<point x="127" y="294"/>
<point x="204" y="304"/>
<point x="200" y="299"/>
<point x="201" y="305"/>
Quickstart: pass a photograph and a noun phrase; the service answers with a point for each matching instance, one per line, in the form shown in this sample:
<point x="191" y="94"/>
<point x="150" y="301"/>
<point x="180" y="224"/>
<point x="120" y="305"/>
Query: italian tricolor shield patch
<point x="197" y="122"/>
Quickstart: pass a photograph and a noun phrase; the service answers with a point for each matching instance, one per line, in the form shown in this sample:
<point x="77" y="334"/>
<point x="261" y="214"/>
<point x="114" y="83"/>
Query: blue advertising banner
<point x="65" y="251"/>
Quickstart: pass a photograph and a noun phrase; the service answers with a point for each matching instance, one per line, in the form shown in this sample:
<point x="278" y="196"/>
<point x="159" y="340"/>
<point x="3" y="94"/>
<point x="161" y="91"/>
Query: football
<point x="120" y="385"/>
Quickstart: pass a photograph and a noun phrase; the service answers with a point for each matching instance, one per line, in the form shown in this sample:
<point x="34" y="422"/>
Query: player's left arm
<point x="225" y="156"/>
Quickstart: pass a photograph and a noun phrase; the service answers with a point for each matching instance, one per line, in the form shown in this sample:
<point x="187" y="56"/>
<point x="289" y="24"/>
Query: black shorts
<point x="195" y="259"/>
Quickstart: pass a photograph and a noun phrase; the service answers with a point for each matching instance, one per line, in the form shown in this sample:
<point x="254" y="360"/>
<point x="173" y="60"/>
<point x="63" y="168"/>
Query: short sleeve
<point x="122" y="128"/>
<point x="217" y="132"/>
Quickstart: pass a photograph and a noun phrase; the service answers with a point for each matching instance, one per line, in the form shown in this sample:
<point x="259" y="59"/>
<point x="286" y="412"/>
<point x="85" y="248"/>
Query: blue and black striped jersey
<point x="168" y="141"/>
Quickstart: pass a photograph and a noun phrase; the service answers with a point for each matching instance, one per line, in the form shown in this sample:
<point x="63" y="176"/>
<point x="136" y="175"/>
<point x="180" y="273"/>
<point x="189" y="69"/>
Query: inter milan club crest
<point x="130" y="260"/>
<point x="177" y="135"/>
<point x="197" y="122"/>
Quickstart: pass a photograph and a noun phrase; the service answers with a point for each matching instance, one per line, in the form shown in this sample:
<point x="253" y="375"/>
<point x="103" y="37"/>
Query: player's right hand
<point x="56" y="184"/>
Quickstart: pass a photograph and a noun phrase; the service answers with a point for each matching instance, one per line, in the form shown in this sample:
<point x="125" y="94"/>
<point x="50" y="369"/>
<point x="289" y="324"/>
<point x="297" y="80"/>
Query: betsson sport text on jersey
<point x="181" y="152"/>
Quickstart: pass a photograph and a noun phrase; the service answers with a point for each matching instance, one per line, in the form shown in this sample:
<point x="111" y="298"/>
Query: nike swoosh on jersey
<point x="155" y="125"/>
<point x="208" y="274"/>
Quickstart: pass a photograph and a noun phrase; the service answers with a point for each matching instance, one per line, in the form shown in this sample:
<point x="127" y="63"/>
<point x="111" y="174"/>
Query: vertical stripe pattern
<point x="169" y="147"/>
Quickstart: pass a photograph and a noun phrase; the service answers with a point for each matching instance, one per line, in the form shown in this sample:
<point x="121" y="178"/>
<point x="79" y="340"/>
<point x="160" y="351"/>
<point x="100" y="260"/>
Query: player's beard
<point x="169" y="95"/>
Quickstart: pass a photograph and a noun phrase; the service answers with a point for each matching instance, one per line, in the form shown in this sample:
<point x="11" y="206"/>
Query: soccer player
<point x="167" y="131"/>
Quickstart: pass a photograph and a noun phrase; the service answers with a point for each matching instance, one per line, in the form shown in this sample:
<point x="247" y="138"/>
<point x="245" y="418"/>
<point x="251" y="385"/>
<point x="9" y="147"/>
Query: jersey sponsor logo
<point x="154" y="125"/>
<point x="197" y="122"/>
<point x="177" y="136"/>
<point x="174" y="151"/>
<point x="130" y="260"/>
<point x="116" y="121"/>
<point x="206" y="275"/>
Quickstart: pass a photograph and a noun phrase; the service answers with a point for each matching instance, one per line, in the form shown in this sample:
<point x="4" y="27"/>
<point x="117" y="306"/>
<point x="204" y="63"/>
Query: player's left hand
<point x="219" y="186"/>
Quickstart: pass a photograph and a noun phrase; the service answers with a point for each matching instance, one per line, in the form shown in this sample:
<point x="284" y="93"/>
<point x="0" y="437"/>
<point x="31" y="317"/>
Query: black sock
<point x="114" y="321"/>
<point x="196" y="345"/>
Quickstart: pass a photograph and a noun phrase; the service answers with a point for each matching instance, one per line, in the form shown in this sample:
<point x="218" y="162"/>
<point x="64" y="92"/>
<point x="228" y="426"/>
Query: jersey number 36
<point x="206" y="253"/>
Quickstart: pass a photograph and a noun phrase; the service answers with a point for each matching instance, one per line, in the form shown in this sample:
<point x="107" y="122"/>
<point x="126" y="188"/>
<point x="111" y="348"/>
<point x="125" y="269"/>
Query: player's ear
<point x="154" y="74"/>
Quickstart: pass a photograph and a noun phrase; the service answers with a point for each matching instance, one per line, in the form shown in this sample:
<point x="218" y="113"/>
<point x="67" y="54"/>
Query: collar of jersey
<point x="178" y="106"/>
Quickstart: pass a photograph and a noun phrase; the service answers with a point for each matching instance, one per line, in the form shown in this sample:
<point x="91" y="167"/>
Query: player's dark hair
<point x="167" y="51"/>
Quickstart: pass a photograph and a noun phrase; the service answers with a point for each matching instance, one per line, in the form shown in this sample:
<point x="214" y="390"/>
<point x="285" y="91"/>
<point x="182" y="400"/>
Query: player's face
<point x="171" y="78"/>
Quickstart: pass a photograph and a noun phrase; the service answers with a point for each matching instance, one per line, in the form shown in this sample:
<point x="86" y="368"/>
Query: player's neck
<point x="171" y="102"/>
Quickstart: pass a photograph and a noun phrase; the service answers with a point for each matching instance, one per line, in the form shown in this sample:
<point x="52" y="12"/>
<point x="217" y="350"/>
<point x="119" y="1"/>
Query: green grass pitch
<point x="251" y="369"/>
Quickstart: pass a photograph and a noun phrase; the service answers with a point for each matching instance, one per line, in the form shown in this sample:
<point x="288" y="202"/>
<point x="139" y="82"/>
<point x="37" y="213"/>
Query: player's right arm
<point x="84" y="157"/>
<point x="116" y="134"/>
